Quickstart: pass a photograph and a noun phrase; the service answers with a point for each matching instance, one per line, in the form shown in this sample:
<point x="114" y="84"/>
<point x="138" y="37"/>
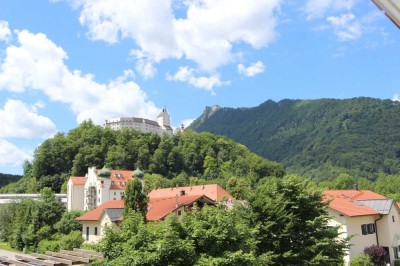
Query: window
<point x="115" y="193"/>
<point x="371" y="228"/>
<point x="396" y="252"/>
<point x="95" y="231"/>
<point x="87" y="233"/>
<point x="182" y="193"/>
<point x="367" y="229"/>
<point x="393" y="218"/>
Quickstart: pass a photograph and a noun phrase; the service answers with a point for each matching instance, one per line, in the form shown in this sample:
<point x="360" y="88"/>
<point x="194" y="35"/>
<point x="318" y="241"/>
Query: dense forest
<point x="8" y="178"/>
<point x="188" y="158"/>
<point x="316" y="138"/>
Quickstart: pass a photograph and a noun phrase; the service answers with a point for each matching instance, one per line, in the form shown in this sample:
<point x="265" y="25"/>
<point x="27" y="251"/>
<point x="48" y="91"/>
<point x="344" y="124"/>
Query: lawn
<point x="6" y="246"/>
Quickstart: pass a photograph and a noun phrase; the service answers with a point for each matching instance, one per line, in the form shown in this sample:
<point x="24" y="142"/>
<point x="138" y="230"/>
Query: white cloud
<point x="5" y="33"/>
<point x="318" y="8"/>
<point x="206" y="35"/>
<point x="22" y="121"/>
<point x="144" y="65"/>
<point x="396" y="98"/>
<point x="186" y="74"/>
<point x="252" y="70"/>
<point x="11" y="154"/>
<point x="38" y="63"/>
<point x="346" y="27"/>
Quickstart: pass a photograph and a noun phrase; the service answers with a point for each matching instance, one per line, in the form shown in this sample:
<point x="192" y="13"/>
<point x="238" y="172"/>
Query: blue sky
<point x="62" y="62"/>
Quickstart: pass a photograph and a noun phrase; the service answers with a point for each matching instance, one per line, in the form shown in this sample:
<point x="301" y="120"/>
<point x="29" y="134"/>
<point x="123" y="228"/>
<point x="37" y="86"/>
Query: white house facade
<point x="97" y="187"/>
<point x="368" y="218"/>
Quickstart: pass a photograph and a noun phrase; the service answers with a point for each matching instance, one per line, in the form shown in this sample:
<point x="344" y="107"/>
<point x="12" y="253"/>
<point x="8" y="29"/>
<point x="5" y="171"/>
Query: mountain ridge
<point x="316" y="138"/>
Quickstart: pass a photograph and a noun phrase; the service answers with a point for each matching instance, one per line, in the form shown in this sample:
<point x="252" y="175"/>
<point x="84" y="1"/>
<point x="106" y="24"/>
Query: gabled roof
<point x="119" y="178"/>
<point x="354" y="194"/>
<point x="96" y="214"/>
<point x="158" y="208"/>
<point x="114" y="214"/>
<point x="161" y="207"/>
<point x="78" y="180"/>
<point x="382" y="206"/>
<point x="214" y="192"/>
<point x="357" y="202"/>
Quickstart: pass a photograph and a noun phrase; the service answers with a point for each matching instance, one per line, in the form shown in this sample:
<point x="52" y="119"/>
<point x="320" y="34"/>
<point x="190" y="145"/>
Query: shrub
<point x="362" y="260"/>
<point x="48" y="245"/>
<point x="376" y="254"/>
<point x="72" y="240"/>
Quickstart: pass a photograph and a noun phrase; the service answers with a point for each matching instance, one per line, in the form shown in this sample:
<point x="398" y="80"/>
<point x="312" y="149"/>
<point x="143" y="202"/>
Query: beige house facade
<point x="368" y="219"/>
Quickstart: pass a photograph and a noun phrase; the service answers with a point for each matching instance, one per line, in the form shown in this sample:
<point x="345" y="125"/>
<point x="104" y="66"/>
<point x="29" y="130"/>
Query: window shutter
<point x="371" y="228"/>
<point x="364" y="229"/>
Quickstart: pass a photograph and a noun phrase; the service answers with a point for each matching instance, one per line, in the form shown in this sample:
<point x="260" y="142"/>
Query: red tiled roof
<point x="161" y="207"/>
<point x="120" y="178"/>
<point x="95" y="214"/>
<point x="214" y="192"/>
<point x="348" y="202"/>
<point x="354" y="194"/>
<point x="158" y="208"/>
<point x="78" y="180"/>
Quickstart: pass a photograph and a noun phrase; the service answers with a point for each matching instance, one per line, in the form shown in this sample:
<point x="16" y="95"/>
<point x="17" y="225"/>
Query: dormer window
<point x="182" y="193"/>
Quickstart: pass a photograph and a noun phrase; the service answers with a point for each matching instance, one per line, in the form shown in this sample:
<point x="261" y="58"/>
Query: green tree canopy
<point x="134" y="197"/>
<point x="293" y="223"/>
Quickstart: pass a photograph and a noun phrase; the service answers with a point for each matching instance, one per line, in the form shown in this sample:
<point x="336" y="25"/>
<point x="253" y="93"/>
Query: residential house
<point x="162" y="202"/>
<point x="368" y="218"/>
<point x="97" y="187"/>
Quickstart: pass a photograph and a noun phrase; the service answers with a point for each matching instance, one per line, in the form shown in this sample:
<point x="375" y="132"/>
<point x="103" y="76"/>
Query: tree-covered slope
<point x="201" y="155"/>
<point x="316" y="138"/>
<point x="7" y="178"/>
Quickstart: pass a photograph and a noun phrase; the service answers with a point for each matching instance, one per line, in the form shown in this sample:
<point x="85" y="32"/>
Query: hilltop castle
<point x="161" y="126"/>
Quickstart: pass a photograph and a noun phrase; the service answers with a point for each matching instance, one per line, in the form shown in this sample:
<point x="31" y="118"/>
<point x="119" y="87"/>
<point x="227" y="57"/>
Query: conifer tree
<point x="135" y="199"/>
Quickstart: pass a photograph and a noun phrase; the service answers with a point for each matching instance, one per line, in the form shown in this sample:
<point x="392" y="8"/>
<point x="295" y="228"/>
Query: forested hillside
<point x="7" y="178"/>
<point x="183" y="159"/>
<point x="316" y="138"/>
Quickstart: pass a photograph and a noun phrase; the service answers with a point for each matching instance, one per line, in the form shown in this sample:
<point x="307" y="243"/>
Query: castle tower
<point x="163" y="119"/>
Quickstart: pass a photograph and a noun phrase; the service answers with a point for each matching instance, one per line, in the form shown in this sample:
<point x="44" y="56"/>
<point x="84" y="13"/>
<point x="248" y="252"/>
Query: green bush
<point x="72" y="240"/>
<point x="48" y="245"/>
<point x="362" y="260"/>
<point x="396" y="262"/>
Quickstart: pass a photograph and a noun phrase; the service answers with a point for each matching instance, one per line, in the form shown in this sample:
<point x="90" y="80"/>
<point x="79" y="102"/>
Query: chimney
<point x="177" y="203"/>
<point x="355" y="186"/>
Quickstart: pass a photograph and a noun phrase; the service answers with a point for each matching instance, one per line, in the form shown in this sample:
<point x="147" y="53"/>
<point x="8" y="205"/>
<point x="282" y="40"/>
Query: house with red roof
<point x="162" y="202"/>
<point x="107" y="214"/>
<point x="97" y="187"/>
<point x="368" y="218"/>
